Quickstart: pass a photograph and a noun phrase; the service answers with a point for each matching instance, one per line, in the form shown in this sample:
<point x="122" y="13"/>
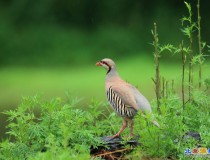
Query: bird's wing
<point x="126" y="96"/>
<point x="141" y="101"/>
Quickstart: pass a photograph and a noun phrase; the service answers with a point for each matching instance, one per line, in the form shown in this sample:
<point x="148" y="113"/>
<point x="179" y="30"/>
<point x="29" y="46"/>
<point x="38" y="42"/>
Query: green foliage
<point x="60" y="129"/>
<point x="208" y="47"/>
<point x="177" y="115"/>
<point x="54" y="129"/>
<point x="207" y="82"/>
<point x="45" y="33"/>
<point x="169" y="140"/>
<point x="190" y="25"/>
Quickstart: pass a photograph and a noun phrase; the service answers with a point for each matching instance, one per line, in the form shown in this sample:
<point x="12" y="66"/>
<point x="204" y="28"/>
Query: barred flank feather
<point x="117" y="104"/>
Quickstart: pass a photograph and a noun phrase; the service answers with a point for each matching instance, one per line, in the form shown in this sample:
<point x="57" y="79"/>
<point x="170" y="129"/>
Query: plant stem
<point x="190" y="80"/>
<point x="183" y="74"/>
<point x="163" y="87"/>
<point x="158" y="146"/>
<point x="172" y="86"/>
<point x="157" y="80"/>
<point x="167" y="92"/>
<point x="199" y="42"/>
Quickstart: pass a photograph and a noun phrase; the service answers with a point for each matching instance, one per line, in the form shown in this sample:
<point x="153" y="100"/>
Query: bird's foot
<point x="132" y="135"/>
<point x="115" y="136"/>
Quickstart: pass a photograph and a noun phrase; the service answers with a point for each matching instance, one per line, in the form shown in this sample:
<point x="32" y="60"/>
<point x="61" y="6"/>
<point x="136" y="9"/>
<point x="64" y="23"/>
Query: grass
<point x="83" y="81"/>
<point x="86" y="82"/>
<point x="48" y="135"/>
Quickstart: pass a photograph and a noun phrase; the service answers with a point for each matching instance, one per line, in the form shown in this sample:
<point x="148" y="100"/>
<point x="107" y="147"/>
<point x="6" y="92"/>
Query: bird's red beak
<point x="98" y="64"/>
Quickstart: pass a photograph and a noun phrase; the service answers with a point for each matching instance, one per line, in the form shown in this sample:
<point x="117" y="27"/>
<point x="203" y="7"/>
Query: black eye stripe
<point x="104" y="63"/>
<point x="107" y="66"/>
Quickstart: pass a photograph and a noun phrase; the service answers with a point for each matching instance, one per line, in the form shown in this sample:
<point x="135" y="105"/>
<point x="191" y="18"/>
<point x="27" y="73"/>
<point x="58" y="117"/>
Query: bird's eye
<point x="105" y="63"/>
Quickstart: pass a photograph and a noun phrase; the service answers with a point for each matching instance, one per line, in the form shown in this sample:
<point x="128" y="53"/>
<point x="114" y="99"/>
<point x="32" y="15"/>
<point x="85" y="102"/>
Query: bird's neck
<point x="112" y="74"/>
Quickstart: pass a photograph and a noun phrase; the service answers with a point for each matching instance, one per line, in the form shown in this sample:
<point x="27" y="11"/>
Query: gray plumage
<point x="125" y="99"/>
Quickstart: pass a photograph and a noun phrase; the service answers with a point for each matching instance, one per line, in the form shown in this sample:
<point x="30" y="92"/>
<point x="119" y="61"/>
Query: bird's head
<point x="107" y="63"/>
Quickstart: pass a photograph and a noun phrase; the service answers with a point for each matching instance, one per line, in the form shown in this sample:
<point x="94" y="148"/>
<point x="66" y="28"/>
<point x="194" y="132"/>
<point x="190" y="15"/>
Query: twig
<point x="107" y="153"/>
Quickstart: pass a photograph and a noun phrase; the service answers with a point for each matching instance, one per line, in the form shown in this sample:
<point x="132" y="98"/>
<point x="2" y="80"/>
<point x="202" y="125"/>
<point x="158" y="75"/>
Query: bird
<point x="125" y="99"/>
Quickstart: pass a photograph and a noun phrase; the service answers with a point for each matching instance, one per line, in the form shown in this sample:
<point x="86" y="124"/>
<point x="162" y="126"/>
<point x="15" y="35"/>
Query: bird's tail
<point x="155" y="123"/>
<point x="152" y="120"/>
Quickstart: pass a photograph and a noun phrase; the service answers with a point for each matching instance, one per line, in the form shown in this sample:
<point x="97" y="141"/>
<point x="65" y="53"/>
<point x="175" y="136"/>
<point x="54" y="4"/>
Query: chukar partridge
<point x="125" y="99"/>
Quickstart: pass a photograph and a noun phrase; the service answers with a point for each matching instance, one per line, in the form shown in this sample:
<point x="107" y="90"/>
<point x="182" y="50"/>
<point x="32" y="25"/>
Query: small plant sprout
<point x="188" y="28"/>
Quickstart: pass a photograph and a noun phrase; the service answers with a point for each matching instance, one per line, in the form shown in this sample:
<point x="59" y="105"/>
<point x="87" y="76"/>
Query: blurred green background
<point x="51" y="46"/>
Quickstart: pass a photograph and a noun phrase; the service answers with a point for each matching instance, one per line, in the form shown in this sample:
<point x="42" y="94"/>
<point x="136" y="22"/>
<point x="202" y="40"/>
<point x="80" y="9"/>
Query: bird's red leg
<point x="124" y="125"/>
<point x="131" y="128"/>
